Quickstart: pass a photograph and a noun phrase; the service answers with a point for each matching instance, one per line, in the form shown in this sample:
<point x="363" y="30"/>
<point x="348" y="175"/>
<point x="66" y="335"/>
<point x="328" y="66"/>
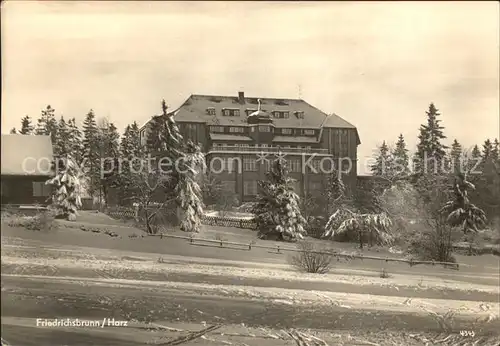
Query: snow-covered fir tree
<point x="400" y="160"/>
<point x="277" y="209"/>
<point x="188" y="162"/>
<point x="74" y="140"/>
<point x="91" y="153"/>
<point x="66" y="186"/>
<point x="27" y="127"/>
<point x="382" y="165"/>
<point x="13" y="131"/>
<point x="431" y="152"/>
<point x="460" y="211"/>
<point x="130" y="154"/>
<point x="188" y="191"/>
<point x="61" y="146"/>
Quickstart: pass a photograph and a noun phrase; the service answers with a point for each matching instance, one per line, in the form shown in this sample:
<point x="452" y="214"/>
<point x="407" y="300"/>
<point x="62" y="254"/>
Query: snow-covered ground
<point x="118" y="264"/>
<point x="311" y="298"/>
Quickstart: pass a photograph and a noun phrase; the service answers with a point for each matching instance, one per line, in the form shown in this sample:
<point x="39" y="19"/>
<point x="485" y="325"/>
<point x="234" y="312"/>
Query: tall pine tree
<point x="47" y="124"/>
<point x="109" y="142"/>
<point x="61" y="146"/>
<point x="91" y="153"/>
<point x="382" y="165"/>
<point x="74" y="140"/>
<point x="26" y="126"/>
<point x="456" y="157"/>
<point x="431" y="153"/>
<point x="400" y="159"/>
<point x="277" y="210"/>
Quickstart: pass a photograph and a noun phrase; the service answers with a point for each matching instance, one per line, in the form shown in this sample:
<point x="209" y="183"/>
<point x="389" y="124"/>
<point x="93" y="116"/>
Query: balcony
<point x="258" y="149"/>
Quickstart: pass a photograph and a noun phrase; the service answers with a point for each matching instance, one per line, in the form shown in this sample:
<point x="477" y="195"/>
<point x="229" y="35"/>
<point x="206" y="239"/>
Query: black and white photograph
<point x="250" y="173"/>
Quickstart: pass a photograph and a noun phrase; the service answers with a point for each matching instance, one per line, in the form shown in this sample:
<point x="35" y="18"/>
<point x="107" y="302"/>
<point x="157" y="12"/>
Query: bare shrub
<point x="311" y="258"/>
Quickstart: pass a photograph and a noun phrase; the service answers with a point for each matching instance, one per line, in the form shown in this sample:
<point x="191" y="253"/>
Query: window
<point x="216" y="129"/>
<point x="286" y="115"/>
<point x="264" y="145"/>
<point x="250" y="188"/>
<point x="236" y="129"/>
<point x="40" y="189"/>
<point x="294" y="165"/>
<point x="265" y="128"/>
<point x="299" y="115"/>
<point x="308" y="132"/>
<point x="211" y="111"/>
<point x="231" y="112"/>
<point x="308" y="147"/>
<point x="286" y="131"/>
<point x="249" y="164"/>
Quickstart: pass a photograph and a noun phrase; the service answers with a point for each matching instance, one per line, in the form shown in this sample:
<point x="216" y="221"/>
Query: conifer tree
<point x="91" y="153"/>
<point x="400" y="159"/>
<point x="188" y="163"/>
<point x="156" y="130"/>
<point x="75" y="140"/>
<point x="61" y="147"/>
<point x="495" y="151"/>
<point x="13" y="131"/>
<point x="430" y="154"/>
<point x="26" y="126"/>
<point x="66" y="187"/>
<point x="382" y="165"/>
<point x="456" y="156"/>
<point x="277" y="210"/>
<point x="108" y="152"/>
<point x="47" y="124"/>
<point x="487" y="149"/>
<point x="460" y="211"/>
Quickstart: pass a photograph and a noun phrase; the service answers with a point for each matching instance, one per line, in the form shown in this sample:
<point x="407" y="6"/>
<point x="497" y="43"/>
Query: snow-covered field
<point x="311" y="298"/>
<point x="118" y="264"/>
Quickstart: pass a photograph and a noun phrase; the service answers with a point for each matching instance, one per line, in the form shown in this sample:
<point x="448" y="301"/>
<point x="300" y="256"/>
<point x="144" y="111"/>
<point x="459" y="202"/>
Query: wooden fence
<point x="278" y="249"/>
<point x="125" y="213"/>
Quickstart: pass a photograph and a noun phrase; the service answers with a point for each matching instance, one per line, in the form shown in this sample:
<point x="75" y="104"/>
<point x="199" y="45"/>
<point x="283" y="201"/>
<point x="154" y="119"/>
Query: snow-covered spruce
<point x="66" y="188"/>
<point x="277" y="211"/>
<point x="189" y="164"/>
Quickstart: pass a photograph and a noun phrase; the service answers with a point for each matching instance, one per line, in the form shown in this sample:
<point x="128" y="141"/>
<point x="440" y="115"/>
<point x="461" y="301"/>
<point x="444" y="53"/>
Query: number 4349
<point x="467" y="333"/>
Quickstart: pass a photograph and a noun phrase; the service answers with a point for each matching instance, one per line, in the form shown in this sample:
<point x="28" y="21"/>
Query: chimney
<point x="241" y="97"/>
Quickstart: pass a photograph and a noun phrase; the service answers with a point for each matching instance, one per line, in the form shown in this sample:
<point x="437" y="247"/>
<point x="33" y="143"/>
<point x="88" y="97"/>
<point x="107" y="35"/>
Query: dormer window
<point x="286" y="131"/>
<point x="299" y="114"/>
<point x="308" y="132"/>
<point x="281" y="114"/>
<point x="211" y="111"/>
<point x="231" y="112"/>
<point x="264" y="128"/>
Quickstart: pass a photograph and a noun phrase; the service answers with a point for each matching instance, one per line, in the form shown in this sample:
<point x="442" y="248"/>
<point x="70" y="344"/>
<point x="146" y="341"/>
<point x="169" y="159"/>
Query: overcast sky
<point x="378" y="65"/>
